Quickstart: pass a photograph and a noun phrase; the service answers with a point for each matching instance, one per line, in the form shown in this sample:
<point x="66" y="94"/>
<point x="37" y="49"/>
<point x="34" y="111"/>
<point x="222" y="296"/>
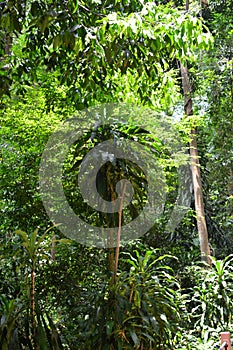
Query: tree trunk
<point x="53" y="248"/>
<point x="195" y="168"/>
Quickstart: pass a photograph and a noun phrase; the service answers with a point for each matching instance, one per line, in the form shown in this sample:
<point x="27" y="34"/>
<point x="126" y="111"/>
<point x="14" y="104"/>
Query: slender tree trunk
<point x="119" y="233"/>
<point x="4" y="59"/>
<point x="7" y="40"/>
<point x="8" y="44"/>
<point x="32" y="296"/>
<point x="195" y="168"/>
<point x="53" y="248"/>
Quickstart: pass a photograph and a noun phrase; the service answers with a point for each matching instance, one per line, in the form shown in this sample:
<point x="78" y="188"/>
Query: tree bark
<point x="195" y="169"/>
<point x="53" y="248"/>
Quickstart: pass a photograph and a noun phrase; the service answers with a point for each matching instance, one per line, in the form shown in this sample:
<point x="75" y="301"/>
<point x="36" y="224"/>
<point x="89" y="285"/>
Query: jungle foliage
<point x="57" y="58"/>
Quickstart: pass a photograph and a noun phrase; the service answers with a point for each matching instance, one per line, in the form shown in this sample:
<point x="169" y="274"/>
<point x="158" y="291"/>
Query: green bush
<point x="141" y="310"/>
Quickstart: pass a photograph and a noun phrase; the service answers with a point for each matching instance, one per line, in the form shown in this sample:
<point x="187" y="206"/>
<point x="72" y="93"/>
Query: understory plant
<point x="140" y="310"/>
<point x="24" y="322"/>
<point x="212" y="298"/>
<point x="208" y="294"/>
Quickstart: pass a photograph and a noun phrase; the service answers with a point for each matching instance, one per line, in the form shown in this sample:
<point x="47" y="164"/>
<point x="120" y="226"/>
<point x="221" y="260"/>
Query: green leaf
<point x="134" y="337"/>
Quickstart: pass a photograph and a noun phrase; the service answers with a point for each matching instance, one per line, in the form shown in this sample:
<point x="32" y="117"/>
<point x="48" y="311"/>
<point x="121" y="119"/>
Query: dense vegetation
<point x="58" y="58"/>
